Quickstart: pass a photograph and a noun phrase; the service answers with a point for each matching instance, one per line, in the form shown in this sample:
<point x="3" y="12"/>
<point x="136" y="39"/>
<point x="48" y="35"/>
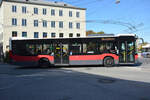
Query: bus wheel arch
<point x="108" y="61"/>
<point x="44" y="62"/>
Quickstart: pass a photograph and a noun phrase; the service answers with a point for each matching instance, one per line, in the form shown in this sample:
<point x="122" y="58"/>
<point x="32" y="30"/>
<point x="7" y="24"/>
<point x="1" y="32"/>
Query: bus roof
<point x="101" y="36"/>
<point x="126" y="35"/>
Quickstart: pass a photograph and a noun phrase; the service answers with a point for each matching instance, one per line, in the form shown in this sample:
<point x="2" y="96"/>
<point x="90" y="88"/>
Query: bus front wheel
<point x="44" y="62"/>
<point x="108" y="62"/>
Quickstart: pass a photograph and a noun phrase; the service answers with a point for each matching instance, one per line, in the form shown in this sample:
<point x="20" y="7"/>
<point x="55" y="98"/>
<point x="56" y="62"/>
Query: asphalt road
<point x="75" y="83"/>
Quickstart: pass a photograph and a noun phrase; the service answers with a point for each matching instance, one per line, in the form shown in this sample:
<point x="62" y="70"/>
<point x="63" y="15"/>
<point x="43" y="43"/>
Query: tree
<point x="90" y="32"/>
<point x="140" y="46"/>
<point x="101" y="32"/>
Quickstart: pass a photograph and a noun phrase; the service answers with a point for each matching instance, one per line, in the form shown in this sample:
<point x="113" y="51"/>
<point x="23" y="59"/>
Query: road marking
<point x="134" y="68"/>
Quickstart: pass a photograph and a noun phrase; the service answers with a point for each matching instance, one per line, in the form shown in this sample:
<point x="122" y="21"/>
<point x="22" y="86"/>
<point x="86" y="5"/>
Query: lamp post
<point x="117" y="1"/>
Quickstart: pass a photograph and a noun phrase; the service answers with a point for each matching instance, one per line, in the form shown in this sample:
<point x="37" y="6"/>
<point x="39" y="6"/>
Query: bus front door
<point x="61" y="54"/>
<point x="126" y="52"/>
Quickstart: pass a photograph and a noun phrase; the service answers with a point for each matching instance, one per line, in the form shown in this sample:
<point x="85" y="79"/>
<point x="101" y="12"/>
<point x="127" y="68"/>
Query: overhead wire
<point x="131" y="27"/>
<point x="128" y="25"/>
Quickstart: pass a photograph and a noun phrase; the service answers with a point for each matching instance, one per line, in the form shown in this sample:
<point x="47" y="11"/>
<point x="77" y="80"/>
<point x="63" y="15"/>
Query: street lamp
<point x="117" y="1"/>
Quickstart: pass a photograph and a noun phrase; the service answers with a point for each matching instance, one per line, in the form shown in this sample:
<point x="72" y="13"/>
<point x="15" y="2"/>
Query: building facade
<point x="39" y="19"/>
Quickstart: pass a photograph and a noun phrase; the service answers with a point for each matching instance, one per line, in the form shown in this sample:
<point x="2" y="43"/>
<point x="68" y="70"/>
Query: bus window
<point x="65" y="48"/>
<point x="130" y="51"/>
<point x="89" y="48"/>
<point x="30" y="49"/>
<point x="38" y="49"/>
<point x="107" y="47"/>
<point x="47" y="49"/>
<point x="75" y="48"/>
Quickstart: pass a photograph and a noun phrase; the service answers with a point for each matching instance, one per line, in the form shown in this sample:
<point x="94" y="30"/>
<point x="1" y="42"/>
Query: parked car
<point x="146" y="51"/>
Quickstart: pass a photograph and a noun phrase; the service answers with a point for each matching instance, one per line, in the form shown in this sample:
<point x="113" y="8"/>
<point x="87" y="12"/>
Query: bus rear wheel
<point x="108" y="62"/>
<point x="44" y="63"/>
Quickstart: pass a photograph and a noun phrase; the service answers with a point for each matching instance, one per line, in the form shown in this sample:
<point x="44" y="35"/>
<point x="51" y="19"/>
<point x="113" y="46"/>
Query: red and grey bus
<point x="107" y="50"/>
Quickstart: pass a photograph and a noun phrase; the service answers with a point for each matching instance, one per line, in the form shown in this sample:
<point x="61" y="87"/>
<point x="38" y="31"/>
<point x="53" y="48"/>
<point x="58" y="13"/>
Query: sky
<point x="129" y="16"/>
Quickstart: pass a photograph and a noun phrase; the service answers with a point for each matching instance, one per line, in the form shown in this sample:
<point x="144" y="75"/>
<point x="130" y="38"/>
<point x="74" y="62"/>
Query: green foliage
<point x="101" y="32"/>
<point x="89" y="32"/>
<point x="92" y="32"/>
<point x="140" y="46"/>
<point x="145" y="43"/>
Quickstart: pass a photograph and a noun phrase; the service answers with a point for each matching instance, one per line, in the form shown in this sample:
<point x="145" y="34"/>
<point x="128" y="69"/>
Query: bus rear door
<point x="61" y="54"/>
<point x="126" y="51"/>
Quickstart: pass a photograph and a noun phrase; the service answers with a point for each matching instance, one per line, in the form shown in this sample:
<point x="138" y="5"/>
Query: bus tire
<point x="108" y="62"/>
<point x="44" y="63"/>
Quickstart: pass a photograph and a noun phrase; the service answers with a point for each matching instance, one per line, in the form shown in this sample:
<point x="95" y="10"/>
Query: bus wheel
<point x="108" y="62"/>
<point x="44" y="62"/>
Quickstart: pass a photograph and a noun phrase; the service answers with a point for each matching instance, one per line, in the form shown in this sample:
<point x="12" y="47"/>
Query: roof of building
<point x="146" y="46"/>
<point x="45" y="3"/>
<point x="101" y="35"/>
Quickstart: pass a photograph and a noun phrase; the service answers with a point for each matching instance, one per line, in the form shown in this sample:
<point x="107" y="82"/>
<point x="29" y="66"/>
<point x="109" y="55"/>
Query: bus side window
<point x="75" y="48"/>
<point x="30" y="49"/>
<point x="90" y="48"/>
<point x="107" y="47"/>
<point x="47" y="49"/>
<point x="38" y="50"/>
<point x="102" y="47"/>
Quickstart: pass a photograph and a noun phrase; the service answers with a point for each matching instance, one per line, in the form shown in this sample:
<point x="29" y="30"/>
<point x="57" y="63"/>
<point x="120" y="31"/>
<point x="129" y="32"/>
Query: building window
<point x="14" y="8"/>
<point x="44" y="35"/>
<point x="44" y="11"/>
<point x="53" y="34"/>
<point x="14" y="33"/>
<point x="70" y="34"/>
<point x="70" y="24"/>
<point x="24" y="22"/>
<point x="14" y="21"/>
<point x="77" y="14"/>
<point x="53" y="24"/>
<point x="70" y="13"/>
<point x="36" y="34"/>
<point x="35" y="10"/>
<point x="35" y="23"/>
<point x="44" y="23"/>
<point x="61" y="24"/>
<point x="78" y="34"/>
<point x="24" y="9"/>
<point x="60" y="13"/>
<point x="78" y="25"/>
<point x="52" y="12"/>
<point x="61" y="35"/>
<point x="24" y="34"/>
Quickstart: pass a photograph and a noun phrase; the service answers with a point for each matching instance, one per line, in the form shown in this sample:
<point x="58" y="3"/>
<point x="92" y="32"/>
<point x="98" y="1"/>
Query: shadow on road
<point x="32" y="83"/>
